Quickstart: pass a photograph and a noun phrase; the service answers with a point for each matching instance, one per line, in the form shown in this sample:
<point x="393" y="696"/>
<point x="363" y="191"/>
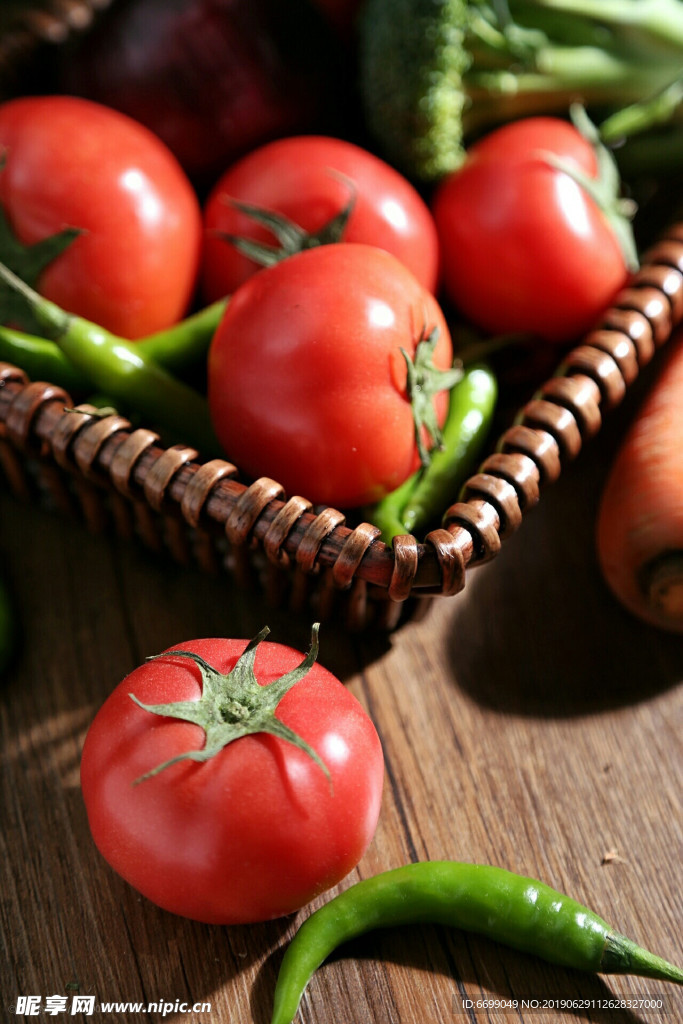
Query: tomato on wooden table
<point x="259" y="828"/>
<point x="310" y="180"/>
<point x="69" y="162"/>
<point x="307" y="382"/>
<point x="525" y="246"/>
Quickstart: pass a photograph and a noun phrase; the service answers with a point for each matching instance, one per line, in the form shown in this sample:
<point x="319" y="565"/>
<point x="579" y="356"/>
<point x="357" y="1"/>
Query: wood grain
<point x="528" y="722"/>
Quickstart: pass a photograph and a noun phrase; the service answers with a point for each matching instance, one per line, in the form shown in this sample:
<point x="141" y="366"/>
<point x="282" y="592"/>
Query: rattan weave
<point x="202" y="512"/>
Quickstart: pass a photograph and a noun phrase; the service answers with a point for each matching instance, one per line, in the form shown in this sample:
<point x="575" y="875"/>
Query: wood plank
<point x="529" y="722"/>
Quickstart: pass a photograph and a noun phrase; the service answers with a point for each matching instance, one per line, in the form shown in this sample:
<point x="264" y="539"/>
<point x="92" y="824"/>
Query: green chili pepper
<point x="41" y="359"/>
<point x="121" y="369"/>
<point x="176" y="348"/>
<point x="423" y="495"/>
<point x="184" y="343"/>
<point x="516" y="911"/>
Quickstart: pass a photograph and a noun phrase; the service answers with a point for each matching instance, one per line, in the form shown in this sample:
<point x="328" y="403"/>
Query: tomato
<point x="309" y="180"/>
<point x="70" y="162"/>
<point x="307" y="382"/>
<point x="258" y="829"/>
<point x="525" y="247"/>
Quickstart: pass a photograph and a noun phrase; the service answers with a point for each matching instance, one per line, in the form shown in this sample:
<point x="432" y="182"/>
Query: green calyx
<point x="425" y="380"/>
<point x="28" y="262"/>
<point x="604" y="189"/>
<point x="233" y="705"/>
<point x="291" y="238"/>
<point x="51" y="319"/>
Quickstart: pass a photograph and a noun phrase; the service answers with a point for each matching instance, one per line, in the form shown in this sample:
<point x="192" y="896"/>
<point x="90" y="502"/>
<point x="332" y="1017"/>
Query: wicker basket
<point x="114" y="476"/>
<point x="306" y="557"/>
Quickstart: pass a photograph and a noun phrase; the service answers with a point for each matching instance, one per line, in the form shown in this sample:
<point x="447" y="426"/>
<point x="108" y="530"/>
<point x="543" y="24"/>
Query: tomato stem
<point x="291" y="237"/>
<point x="234" y="704"/>
<point x="417" y="502"/>
<point x="425" y="380"/>
<point x="604" y="188"/>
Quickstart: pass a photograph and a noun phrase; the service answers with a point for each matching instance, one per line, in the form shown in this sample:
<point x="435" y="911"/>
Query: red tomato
<point x="73" y="163"/>
<point x="257" y="830"/>
<point x="525" y="248"/>
<point x="300" y="178"/>
<point x="307" y="383"/>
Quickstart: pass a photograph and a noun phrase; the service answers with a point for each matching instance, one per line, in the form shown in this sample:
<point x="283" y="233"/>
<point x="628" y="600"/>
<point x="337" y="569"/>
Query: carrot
<point x="639" y="536"/>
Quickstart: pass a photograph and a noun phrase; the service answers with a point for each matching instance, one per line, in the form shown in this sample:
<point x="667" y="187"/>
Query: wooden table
<point x="528" y="723"/>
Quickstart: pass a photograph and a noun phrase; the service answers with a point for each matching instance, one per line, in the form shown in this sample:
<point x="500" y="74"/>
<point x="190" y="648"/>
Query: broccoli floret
<point x="413" y="58"/>
<point x="435" y="73"/>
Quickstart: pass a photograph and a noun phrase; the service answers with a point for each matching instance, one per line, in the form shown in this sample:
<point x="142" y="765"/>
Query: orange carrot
<point x="639" y="535"/>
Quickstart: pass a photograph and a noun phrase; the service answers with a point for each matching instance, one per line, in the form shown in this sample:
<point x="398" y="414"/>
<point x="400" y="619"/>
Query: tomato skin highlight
<point x="307" y="383"/>
<point x="253" y="833"/>
<point x="524" y="247"/>
<point x="299" y="177"/>
<point x="70" y="162"/>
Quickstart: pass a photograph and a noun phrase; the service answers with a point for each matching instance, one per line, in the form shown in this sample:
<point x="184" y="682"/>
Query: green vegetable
<point x="186" y="342"/>
<point x="41" y="360"/>
<point x="178" y="347"/>
<point x="435" y="72"/>
<point x="28" y="262"/>
<point x="290" y="236"/>
<point x="121" y="369"/>
<point x="508" y="908"/>
<point x="235" y="704"/>
<point x="427" y="492"/>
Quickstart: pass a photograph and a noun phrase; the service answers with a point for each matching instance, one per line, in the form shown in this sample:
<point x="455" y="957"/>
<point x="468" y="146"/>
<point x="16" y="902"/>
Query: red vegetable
<point x="640" y="520"/>
<point x="212" y="78"/>
<point x="307" y="381"/>
<point x="265" y="823"/>
<point x="525" y="247"/>
<point x="341" y="13"/>
<point x="72" y="163"/>
<point x="309" y="180"/>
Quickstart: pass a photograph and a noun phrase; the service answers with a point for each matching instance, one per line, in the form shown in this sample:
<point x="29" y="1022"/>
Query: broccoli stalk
<point x="435" y="73"/>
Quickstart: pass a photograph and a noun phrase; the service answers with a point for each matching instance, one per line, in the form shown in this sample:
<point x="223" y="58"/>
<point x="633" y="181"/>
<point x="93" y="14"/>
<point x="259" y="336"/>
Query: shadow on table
<point x="539" y="633"/>
<point x="479" y="969"/>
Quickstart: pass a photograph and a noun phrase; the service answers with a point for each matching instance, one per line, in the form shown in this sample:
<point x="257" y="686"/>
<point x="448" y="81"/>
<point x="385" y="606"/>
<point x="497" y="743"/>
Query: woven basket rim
<point x="548" y="432"/>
